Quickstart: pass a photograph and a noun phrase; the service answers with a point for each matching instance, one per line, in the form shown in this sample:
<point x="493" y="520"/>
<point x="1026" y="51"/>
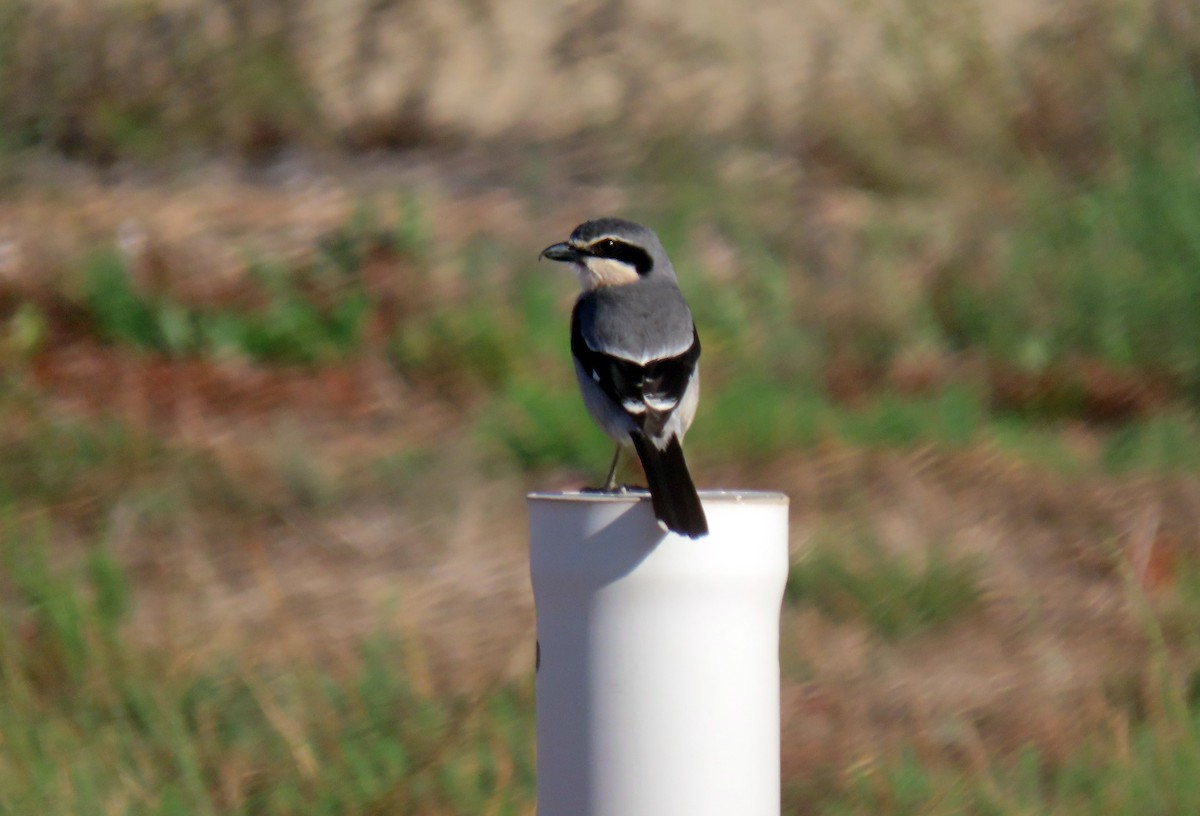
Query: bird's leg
<point x="610" y="484"/>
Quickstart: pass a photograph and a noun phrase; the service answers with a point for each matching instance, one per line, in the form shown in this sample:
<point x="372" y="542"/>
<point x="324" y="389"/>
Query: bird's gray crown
<point x="621" y="228"/>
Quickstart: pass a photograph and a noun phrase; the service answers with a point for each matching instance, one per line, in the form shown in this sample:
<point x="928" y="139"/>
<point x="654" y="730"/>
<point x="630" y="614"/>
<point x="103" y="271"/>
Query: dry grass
<point x="1056" y="650"/>
<point x="282" y="515"/>
<point x="394" y="73"/>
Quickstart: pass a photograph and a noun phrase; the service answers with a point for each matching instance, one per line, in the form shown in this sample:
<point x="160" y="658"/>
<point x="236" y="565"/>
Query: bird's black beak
<point x="561" y="252"/>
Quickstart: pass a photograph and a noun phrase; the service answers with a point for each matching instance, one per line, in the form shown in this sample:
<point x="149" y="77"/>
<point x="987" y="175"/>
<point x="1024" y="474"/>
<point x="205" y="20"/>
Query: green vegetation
<point x="290" y="326"/>
<point x="1157" y="776"/>
<point x="94" y="723"/>
<point x="1102" y="259"/>
<point x="853" y="578"/>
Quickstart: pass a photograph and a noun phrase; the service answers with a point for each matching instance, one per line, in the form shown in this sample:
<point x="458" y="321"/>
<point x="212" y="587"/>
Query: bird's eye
<point x="618" y="250"/>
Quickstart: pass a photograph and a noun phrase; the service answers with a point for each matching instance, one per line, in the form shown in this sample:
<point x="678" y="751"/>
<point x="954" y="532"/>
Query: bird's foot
<point x="616" y="490"/>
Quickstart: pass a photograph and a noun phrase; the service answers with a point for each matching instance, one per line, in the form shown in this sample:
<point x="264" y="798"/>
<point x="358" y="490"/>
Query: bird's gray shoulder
<point x="643" y="321"/>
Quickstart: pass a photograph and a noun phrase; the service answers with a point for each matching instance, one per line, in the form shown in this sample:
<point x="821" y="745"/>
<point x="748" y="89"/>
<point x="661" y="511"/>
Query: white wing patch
<point x="661" y="403"/>
<point x="633" y="406"/>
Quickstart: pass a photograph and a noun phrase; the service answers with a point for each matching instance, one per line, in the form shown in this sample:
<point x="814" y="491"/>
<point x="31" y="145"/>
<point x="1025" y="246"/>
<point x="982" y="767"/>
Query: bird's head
<point x="611" y="252"/>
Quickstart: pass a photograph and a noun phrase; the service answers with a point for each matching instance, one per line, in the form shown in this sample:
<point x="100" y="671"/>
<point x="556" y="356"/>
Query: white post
<point x="658" y="683"/>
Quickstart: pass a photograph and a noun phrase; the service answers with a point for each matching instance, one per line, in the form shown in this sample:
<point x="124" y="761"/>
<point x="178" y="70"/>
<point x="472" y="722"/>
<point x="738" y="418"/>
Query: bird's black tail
<point x="676" y="503"/>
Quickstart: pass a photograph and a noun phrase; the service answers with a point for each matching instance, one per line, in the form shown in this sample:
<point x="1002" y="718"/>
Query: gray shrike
<point x="635" y="349"/>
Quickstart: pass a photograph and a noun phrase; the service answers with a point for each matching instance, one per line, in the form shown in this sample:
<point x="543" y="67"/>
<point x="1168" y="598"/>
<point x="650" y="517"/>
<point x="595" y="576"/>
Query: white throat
<point x="594" y="273"/>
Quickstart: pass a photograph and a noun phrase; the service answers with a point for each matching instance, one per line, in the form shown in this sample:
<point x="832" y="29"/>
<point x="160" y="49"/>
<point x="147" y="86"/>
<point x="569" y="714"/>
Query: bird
<point x="636" y="351"/>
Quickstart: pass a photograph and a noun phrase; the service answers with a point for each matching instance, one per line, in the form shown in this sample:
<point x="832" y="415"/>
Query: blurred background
<point x="278" y="364"/>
